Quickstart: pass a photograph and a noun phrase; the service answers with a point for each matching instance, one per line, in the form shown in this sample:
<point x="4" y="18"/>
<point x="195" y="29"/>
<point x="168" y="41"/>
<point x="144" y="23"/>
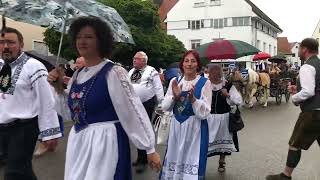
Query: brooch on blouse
<point x="181" y="104"/>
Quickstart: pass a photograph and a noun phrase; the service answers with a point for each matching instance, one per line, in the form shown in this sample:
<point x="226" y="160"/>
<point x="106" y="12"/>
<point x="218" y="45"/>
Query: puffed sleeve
<point x="47" y="117"/>
<point x="131" y="113"/>
<point x="235" y="97"/>
<point x="168" y="102"/>
<point x="202" y="107"/>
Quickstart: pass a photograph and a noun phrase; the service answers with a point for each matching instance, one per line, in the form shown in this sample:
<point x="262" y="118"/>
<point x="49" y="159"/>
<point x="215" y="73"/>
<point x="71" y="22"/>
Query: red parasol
<point x="261" y="56"/>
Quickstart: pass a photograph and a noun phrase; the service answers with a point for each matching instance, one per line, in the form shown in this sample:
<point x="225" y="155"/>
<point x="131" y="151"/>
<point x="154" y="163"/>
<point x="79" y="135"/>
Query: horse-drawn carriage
<point x="278" y="82"/>
<point x="278" y="88"/>
<point x="263" y="85"/>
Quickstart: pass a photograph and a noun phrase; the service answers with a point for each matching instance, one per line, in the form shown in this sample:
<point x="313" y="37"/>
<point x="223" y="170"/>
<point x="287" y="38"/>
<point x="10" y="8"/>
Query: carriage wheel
<point x="278" y="97"/>
<point x="287" y="94"/>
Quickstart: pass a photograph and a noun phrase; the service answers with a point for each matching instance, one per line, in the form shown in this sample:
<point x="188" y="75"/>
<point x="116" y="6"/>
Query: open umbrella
<point x="48" y="61"/>
<point x="261" y="56"/>
<point x="278" y="59"/>
<point x="226" y="49"/>
<point x="52" y="13"/>
<point x="58" y="14"/>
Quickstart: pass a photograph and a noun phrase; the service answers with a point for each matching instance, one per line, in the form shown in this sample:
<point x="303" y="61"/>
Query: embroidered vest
<point x="182" y="109"/>
<point x="90" y="101"/>
<point x="313" y="102"/>
<point x="219" y="103"/>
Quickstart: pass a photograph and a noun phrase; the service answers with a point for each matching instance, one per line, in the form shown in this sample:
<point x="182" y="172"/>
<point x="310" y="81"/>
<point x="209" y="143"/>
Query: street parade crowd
<point x="111" y="107"/>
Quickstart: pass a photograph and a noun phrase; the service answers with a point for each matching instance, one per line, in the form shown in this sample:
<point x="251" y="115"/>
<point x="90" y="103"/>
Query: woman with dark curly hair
<point x="105" y="110"/>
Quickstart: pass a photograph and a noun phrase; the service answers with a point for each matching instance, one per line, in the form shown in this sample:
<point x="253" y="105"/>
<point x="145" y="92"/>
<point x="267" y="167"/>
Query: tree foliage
<point x="143" y="20"/>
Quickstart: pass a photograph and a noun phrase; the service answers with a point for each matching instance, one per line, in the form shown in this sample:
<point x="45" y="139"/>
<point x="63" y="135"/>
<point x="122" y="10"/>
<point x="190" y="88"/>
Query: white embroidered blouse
<point x="29" y="96"/>
<point x="131" y="113"/>
<point x="201" y="107"/>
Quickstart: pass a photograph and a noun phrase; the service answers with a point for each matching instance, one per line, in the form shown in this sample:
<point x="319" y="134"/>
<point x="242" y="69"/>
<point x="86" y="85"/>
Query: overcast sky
<point x="297" y="19"/>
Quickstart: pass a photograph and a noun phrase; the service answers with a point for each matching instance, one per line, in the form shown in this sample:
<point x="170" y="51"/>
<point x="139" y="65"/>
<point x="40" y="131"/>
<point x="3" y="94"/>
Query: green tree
<point x="143" y="20"/>
<point x="52" y="39"/>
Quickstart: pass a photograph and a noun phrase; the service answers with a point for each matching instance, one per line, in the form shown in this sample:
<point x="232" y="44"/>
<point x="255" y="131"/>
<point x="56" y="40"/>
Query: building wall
<point x="295" y="57"/>
<point x="30" y="33"/>
<point x="206" y="35"/>
<point x="186" y="10"/>
<point x="316" y="33"/>
<point x="179" y="17"/>
<point x="267" y="43"/>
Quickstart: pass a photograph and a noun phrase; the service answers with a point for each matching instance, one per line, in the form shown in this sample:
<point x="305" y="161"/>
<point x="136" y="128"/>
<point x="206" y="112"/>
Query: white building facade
<point x="316" y="33"/>
<point x="196" y="22"/>
<point x="295" y="54"/>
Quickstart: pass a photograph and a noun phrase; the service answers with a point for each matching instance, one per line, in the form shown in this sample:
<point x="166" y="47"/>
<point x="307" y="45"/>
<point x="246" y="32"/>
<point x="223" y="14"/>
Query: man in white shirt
<point x="147" y="84"/>
<point x="27" y="107"/>
<point x="306" y="94"/>
<point x="260" y="66"/>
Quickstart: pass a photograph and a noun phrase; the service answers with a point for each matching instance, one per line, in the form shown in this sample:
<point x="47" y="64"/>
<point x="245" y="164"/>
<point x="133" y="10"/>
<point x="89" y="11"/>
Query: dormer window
<point x="215" y="2"/>
<point x="199" y="3"/>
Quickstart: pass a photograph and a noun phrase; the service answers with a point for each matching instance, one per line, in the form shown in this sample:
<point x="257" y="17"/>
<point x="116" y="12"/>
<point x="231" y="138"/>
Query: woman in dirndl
<point x="190" y="99"/>
<point x="105" y="109"/>
<point x="224" y="96"/>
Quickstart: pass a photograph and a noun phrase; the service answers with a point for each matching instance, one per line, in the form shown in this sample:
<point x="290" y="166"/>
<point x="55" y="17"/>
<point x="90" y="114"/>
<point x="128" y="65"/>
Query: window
<point x="195" y="24"/>
<point x="241" y="21"/>
<point x="246" y="21"/>
<point x="234" y="21"/>
<point x="225" y="22"/>
<point x="218" y="23"/>
<point x="215" y="2"/>
<point x="258" y="44"/>
<point x="202" y="23"/>
<point x="274" y="34"/>
<point x="270" y="48"/>
<point x="199" y="4"/>
<point x="258" y="25"/>
<point x="275" y="50"/>
<point x="195" y="43"/>
<point x="40" y="47"/>
<point x="264" y="47"/>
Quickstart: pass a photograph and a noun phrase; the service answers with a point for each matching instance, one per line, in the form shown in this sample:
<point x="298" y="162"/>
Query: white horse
<point x="253" y="84"/>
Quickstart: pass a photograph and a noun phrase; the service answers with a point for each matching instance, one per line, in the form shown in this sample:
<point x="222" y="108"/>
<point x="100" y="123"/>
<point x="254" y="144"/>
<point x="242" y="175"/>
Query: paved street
<point x="263" y="146"/>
